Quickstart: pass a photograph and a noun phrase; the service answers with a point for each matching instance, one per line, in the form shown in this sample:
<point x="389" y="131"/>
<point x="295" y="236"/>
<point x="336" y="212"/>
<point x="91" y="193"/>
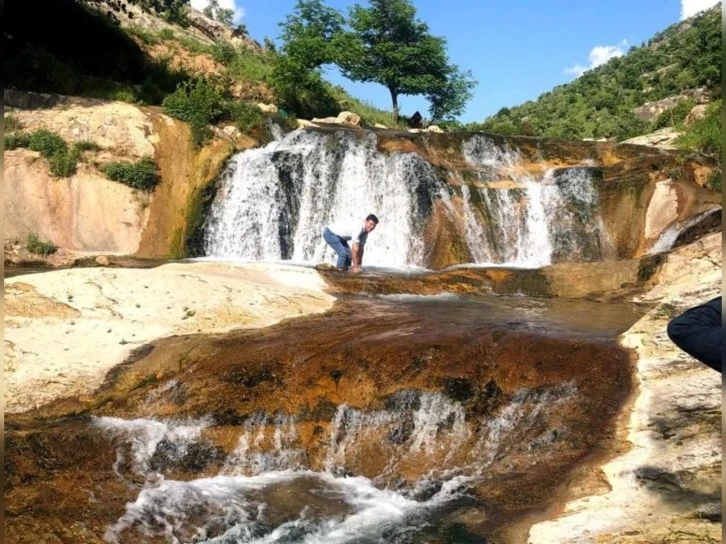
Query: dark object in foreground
<point x="698" y="332"/>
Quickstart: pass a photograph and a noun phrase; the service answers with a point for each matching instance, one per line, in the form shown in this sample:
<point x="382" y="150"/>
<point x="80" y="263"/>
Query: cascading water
<point x="274" y="202"/>
<point x="536" y="221"/>
<point x="267" y="491"/>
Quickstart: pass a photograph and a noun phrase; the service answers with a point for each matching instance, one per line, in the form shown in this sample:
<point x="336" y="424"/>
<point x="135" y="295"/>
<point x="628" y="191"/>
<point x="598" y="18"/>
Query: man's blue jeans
<point x="340" y="245"/>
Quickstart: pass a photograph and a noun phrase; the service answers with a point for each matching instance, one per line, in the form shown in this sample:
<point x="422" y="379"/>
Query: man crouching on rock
<point x="339" y="233"/>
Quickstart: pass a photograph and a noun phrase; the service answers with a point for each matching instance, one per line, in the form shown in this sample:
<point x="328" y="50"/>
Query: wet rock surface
<point x="370" y="356"/>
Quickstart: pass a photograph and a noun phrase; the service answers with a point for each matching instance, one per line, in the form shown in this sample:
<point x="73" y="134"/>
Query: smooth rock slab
<point x="65" y="330"/>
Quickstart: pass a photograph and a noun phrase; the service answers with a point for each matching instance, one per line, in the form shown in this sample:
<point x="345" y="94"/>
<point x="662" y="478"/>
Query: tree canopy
<point x="383" y="43"/>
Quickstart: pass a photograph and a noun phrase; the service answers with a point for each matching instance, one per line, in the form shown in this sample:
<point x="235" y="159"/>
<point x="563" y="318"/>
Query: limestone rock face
<point x="86" y="212"/>
<point x="267" y="108"/>
<point x="124" y="308"/>
<point x="663" y="138"/>
<point x="651" y="110"/>
<point x="668" y="481"/>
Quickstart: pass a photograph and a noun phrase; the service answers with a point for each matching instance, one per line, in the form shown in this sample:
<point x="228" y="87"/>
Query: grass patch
<point x="166" y="34"/>
<point x="87" y="145"/>
<point x="715" y="181"/>
<point x="12" y="123"/>
<point x="369" y="114"/>
<point x="139" y="175"/>
<point x="704" y="135"/>
<point x="245" y="115"/>
<point x="35" y="245"/>
<point x="16" y="140"/>
<point x="249" y="66"/>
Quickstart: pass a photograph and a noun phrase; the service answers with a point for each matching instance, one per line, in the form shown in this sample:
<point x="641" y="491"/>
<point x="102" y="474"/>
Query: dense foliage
<point x="35" y="245"/>
<point x="139" y="175"/>
<point x="600" y="103"/>
<point x="383" y="43"/>
<point x="704" y="135"/>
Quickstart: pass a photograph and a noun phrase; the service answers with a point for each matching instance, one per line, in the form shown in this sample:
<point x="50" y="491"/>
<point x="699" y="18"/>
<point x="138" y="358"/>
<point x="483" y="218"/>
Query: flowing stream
<point x="402" y="469"/>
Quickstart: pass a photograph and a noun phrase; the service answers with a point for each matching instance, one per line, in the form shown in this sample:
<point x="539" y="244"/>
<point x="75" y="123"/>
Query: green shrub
<point x="198" y="103"/>
<point x="15" y="140"/>
<point x="63" y="164"/>
<point x="674" y="116"/>
<point x="223" y="53"/>
<point x="139" y="175"/>
<point x="249" y="66"/>
<point x="37" y="246"/>
<point x="704" y="135"/>
<point x="86" y="145"/>
<point x="12" y="123"/>
<point x="715" y="181"/>
<point x="166" y="34"/>
<point x="149" y="38"/>
<point x="47" y="143"/>
<point x="245" y="115"/>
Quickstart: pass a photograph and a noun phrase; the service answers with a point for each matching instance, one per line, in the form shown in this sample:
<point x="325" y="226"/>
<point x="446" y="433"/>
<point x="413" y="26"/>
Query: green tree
<point x="309" y="35"/>
<point x="225" y="16"/>
<point x="389" y="46"/>
<point x="449" y="97"/>
<point x="211" y="8"/>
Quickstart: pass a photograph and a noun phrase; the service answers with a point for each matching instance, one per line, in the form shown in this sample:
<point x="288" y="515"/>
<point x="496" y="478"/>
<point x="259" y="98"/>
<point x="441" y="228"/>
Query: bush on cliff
<point x="139" y="175"/>
<point x="61" y="159"/>
<point x="35" y="245"/>
<point x="704" y="135"/>
<point x="47" y="143"/>
<point x="197" y="102"/>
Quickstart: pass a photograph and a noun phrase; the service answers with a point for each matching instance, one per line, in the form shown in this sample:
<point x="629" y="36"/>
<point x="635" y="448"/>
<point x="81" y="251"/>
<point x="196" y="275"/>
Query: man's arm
<point x="357" y="251"/>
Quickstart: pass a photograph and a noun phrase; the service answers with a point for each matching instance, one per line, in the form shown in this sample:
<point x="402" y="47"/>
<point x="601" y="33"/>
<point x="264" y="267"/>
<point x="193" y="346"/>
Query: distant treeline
<point x="600" y="103"/>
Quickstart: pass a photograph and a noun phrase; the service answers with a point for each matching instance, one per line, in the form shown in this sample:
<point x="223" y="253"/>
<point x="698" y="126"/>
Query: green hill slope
<point x="601" y="103"/>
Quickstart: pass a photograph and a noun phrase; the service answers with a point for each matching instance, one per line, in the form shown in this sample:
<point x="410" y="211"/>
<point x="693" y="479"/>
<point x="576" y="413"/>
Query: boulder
<point x="697" y="112"/>
<point x="102" y="260"/>
<point x="267" y="108"/>
<point x="651" y="110"/>
<point x="663" y="138"/>
<point x="435" y="128"/>
<point x="379" y="125"/>
<point x="29" y="101"/>
<point x="302" y="123"/>
<point x="349" y="118"/>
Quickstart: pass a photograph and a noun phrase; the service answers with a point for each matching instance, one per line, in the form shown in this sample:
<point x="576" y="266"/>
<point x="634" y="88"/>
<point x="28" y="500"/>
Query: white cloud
<point x="239" y="13"/>
<point x="690" y="7"/>
<point x="599" y="54"/>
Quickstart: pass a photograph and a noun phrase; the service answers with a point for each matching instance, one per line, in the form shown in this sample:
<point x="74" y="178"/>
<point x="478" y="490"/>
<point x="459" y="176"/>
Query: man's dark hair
<point x="373" y="218"/>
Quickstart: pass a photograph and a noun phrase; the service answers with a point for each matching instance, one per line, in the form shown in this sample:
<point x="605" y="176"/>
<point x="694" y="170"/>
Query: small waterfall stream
<point x="274" y="202"/>
<point x="267" y="490"/>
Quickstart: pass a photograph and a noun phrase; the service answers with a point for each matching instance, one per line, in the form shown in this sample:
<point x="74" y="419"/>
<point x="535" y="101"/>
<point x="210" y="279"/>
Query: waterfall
<point x="531" y="221"/>
<point x="266" y="490"/>
<point x="275" y="201"/>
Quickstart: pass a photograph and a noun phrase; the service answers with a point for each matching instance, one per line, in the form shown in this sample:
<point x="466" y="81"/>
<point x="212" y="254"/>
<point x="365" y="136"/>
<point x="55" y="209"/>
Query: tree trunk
<point x="394" y="99"/>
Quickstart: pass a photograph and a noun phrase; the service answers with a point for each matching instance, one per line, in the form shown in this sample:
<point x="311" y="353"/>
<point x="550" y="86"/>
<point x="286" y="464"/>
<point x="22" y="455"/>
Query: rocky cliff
<point x="643" y="191"/>
<point x="87" y="212"/>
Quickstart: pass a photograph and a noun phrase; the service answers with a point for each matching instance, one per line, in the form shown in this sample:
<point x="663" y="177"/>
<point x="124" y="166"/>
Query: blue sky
<point x="515" y="49"/>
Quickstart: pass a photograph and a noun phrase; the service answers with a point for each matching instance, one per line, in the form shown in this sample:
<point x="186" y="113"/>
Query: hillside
<point x="141" y="57"/>
<point x="653" y="86"/>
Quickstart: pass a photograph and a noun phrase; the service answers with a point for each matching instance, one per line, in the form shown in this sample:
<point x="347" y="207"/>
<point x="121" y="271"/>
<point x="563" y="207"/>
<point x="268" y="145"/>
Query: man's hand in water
<point x="355" y="269"/>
